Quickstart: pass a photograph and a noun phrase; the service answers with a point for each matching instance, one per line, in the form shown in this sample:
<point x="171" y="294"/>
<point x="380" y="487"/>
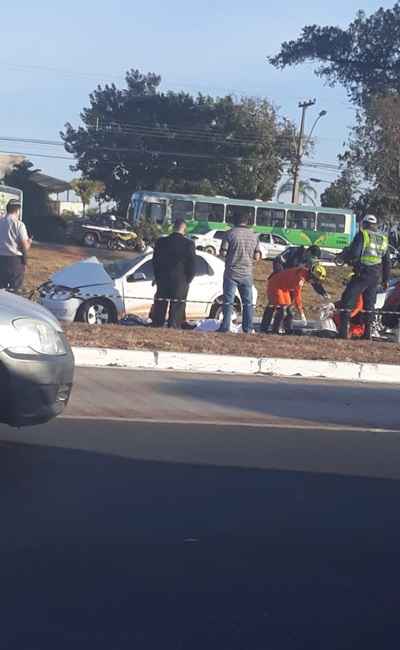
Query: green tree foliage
<point x="370" y="180"/>
<point x="364" y="58"/>
<point x="138" y="137"/>
<point x="341" y="193"/>
<point x="41" y="223"/>
<point x="86" y="189"/>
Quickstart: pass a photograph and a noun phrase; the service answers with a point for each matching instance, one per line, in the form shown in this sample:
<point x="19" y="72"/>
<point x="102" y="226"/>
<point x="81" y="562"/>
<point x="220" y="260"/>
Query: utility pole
<point x="299" y="152"/>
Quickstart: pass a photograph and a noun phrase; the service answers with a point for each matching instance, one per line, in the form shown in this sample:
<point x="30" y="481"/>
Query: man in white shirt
<point x="14" y="246"/>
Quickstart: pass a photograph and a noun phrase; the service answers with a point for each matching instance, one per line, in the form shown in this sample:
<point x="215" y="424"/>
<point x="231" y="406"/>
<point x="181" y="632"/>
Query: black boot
<point x="288" y="322"/>
<point x="367" y="336"/>
<point x="344" y="325"/>
<point x="279" y="314"/>
<point x="267" y="318"/>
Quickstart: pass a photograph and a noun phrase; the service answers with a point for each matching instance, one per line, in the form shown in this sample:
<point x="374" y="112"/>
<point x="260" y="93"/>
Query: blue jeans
<point x="245" y="288"/>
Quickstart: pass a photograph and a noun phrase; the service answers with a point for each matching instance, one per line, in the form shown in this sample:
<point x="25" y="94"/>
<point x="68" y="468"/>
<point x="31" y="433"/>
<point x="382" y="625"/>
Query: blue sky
<point x="53" y="54"/>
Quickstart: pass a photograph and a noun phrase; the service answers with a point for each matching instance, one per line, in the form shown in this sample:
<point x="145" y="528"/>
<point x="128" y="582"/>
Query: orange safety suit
<point x="285" y="288"/>
<point x="357" y="328"/>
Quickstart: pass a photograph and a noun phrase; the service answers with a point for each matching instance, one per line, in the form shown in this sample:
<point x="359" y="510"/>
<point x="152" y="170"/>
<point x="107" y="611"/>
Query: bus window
<point x="236" y="211"/>
<point x="331" y="222"/>
<point x="299" y="220"/>
<point x="209" y="212"/>
<point x="270" y="217"/>
<point x="181" y="210"/>
<point x="155" y="212"/>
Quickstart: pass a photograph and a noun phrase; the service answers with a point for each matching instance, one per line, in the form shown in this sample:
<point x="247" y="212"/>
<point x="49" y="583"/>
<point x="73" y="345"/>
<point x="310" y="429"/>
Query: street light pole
<point x="299" y="152"/>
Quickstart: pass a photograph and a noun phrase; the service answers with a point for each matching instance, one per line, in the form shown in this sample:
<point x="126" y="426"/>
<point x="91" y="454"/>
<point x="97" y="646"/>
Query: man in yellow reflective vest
<point x="369" y="255"/>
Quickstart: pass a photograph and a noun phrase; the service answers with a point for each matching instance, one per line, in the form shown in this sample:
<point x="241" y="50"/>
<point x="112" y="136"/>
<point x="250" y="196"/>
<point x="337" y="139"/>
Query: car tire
<point x="90" y="240"/>
<point x="210" y="250"/>
<point x="97" y="311"/>
<point x="216" y="311"/>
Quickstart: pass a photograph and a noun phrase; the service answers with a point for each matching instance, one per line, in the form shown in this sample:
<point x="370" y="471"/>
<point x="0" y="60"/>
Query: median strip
<point x="88" y="357"/>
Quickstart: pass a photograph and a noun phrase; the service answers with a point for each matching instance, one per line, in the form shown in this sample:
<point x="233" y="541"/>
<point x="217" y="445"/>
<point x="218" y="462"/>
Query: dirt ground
<point x="254" y="345"/>
<point x="45" y="260"/>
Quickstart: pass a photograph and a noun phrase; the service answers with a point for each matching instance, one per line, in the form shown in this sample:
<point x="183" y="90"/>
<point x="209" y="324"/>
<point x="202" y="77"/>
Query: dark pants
<point x="366" y="283"/>
<point x="174" y="294"/>
<point x="12" y="269"/>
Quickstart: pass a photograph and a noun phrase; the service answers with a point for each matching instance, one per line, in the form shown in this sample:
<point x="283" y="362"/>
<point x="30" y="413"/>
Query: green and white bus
<point x="329" y="228"/>
<point x="6" y="194"/>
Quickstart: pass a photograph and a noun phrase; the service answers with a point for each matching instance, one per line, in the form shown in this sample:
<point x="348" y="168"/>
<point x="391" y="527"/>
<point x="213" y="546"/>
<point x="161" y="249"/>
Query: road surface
<point x="183" y="511"/>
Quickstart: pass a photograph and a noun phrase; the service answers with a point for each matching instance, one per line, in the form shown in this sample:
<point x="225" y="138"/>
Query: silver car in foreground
<point x="36" y="363"/>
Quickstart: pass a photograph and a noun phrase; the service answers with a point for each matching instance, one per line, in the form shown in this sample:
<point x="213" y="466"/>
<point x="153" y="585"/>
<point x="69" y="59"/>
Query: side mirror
<point x="137" y="277"/>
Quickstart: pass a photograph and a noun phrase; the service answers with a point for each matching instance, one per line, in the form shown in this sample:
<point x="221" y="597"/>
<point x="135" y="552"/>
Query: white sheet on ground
<point x="212" y="325"/>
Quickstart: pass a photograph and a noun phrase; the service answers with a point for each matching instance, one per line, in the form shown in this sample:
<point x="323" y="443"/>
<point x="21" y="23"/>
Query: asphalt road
<point x="227" y="513"/>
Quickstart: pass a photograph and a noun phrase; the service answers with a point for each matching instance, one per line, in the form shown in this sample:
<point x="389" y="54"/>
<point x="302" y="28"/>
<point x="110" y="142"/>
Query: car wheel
<point x="97" y="312"/>
<point x="90" y="239"/>
<point x="210" y="249"/>
<point x="216" y="311"/>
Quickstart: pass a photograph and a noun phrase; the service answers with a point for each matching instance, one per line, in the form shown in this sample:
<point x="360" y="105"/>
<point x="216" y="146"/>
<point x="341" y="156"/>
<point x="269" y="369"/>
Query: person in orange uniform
<point x="284" y="290"/>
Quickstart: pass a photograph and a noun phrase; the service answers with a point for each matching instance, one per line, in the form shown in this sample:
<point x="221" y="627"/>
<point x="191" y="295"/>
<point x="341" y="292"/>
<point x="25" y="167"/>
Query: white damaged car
<point x="96" y="293"/>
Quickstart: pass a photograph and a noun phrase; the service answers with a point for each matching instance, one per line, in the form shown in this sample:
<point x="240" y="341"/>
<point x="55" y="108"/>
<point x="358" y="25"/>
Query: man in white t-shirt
<point x="14" y="246"/>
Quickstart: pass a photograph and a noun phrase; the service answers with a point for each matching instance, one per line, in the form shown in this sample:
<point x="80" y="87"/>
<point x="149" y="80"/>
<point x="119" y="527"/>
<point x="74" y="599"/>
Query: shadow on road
<point x="330" y="403"/>
<point x="111" y="553"/>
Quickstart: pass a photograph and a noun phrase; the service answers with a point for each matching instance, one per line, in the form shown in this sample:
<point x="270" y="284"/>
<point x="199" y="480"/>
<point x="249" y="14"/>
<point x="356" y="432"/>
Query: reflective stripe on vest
<point x="374" y="248"/>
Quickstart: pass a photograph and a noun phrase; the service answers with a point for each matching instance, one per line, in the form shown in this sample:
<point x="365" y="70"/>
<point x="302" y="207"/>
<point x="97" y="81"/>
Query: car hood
<point x="86" y="273"/>
<point x="13" y="306"/>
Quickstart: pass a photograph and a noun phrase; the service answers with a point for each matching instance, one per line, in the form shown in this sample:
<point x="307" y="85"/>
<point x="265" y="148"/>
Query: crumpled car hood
<point x="86" y="273"/>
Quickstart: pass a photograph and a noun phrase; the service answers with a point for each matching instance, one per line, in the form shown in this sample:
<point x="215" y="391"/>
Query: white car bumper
<point x="63" y="310"/>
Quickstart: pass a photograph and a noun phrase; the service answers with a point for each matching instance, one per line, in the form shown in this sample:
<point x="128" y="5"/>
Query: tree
<point x="364" y="58"/>
<point x="341" y="193"/>
<point x="140" y="138"/>
<point x="40" y="221"/>
<point x="306" y="190"/>
<point x="86" y="189"/>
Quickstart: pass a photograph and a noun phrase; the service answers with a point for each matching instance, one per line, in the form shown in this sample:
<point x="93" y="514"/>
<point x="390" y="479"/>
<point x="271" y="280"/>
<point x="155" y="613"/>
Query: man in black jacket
<point x="174" y="262"/>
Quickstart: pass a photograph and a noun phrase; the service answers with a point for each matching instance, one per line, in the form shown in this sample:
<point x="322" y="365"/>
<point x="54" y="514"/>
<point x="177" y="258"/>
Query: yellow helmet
<point x="318" y="271"/>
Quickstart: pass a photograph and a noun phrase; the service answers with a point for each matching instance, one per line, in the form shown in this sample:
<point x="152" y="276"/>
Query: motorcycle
<point x="121" y="240"/>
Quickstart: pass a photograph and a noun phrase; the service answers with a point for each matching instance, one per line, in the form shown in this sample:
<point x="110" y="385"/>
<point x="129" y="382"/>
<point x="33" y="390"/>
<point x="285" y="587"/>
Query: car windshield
<point x="118" y="268"/>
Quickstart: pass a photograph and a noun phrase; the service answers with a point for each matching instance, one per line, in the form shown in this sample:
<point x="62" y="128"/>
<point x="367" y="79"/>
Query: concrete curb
<point x="213" y="363"/>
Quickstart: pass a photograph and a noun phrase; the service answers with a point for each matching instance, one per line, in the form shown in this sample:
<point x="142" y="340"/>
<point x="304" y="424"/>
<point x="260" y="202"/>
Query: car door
<point x="266" y="245"/>
<point x="278" y="245"/>
<point x="138" y="289"/>
<point x="201" y="291"/>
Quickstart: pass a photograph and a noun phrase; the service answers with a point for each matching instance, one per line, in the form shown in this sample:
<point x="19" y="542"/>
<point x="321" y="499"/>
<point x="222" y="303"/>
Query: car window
<point x="147" y="270"/>
<point x="220" y="234"/>
<point x="279" y="240"/>
<point x="202" y="268"/>
<point x="265" y="238"/>
<point x="120" y="267"/>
